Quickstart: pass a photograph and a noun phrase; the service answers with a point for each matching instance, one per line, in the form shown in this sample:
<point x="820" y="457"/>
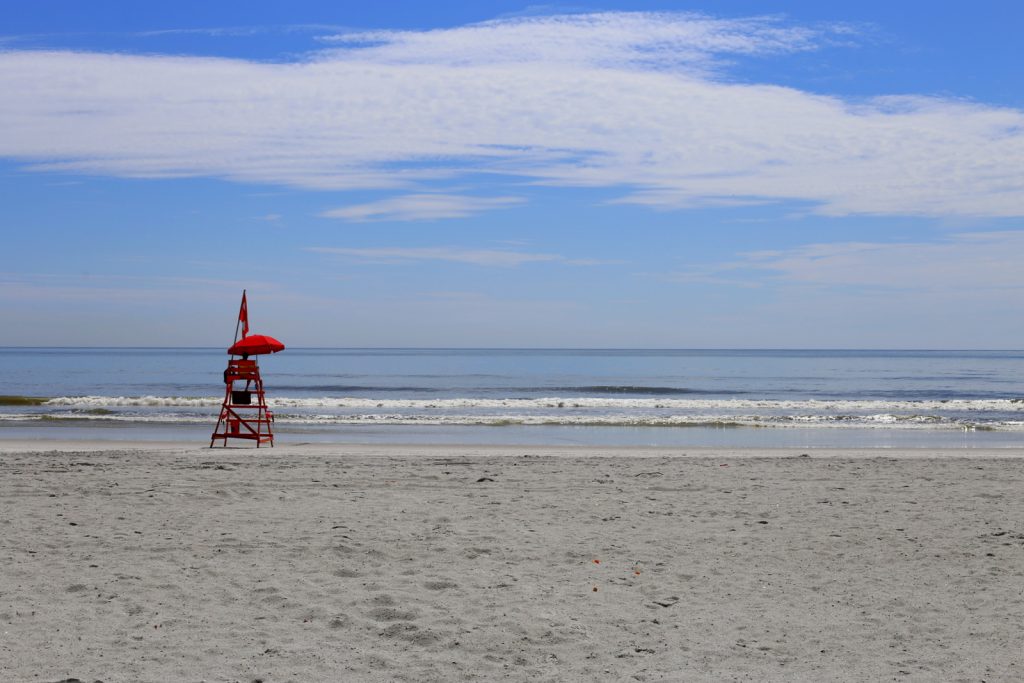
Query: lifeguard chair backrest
<point x="242" y="369"/>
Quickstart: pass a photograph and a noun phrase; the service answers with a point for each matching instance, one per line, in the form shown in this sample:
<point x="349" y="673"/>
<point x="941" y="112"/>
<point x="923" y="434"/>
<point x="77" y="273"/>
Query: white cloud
<point x="625" y="100"/>
<point x="604" y="39"/>
<point x="420" y="207"/>
<point x="211" y="32"/>
<point x="961" y="263"/>
<point x="479" y="257"/>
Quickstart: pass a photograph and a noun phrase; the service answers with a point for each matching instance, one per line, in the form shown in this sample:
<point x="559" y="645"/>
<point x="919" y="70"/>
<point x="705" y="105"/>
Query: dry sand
<point x="415" y="563"/>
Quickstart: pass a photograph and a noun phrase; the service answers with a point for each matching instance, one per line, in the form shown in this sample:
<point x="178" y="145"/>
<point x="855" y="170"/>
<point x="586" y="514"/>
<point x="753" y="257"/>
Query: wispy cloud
<point x="39" y="287"/>
<point x="213" y="32"/>
<point x="478" y="257"/>
<point x="243" y="31"/>
<point x="604" y="39"/>
<point x="635" y="101"/>
<point x="420" y="207"/>
<point x="961" y="263"/>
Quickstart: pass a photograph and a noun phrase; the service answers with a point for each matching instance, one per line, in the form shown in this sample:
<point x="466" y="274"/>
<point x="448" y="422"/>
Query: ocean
<point x="642" y="397"/>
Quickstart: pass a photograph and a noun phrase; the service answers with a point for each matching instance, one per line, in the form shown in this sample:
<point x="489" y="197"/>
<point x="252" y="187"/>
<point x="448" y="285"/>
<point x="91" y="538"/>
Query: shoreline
<point x="737" y="438"/>
<point x="427" y="450"/>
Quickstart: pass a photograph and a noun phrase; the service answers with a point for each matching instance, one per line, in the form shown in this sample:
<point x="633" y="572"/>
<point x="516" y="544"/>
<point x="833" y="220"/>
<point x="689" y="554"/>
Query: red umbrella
<point x="256" y="344"/>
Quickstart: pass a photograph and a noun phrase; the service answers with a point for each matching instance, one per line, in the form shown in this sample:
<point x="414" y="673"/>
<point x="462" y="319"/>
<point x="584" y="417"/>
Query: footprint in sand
<point x="387" y="611"/>
<point x="345" y="573"/>
<point x="411" y="633"/>
<point x="340" y="621"/>
<point x="391" y="614"/>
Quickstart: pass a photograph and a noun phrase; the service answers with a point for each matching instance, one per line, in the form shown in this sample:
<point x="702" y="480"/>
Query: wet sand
<point x="440" y="563"/>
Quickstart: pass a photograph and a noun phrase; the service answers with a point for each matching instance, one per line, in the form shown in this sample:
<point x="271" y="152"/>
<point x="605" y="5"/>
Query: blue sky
<point x="642" y="174"/>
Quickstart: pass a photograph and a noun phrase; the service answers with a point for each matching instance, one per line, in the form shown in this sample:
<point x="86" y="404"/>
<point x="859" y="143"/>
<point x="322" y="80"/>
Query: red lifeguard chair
<point x="244" y="413"/>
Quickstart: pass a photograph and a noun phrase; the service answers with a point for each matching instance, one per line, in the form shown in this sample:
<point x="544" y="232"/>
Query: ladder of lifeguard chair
<point x="232" y="420"/>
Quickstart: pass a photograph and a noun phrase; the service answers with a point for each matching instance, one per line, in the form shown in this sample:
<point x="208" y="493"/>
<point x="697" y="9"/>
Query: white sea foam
<point x="568" y="403"/>
<point x="781" y="420"/>
<point x="991" y="414"/>
<point x="124" y="401"/>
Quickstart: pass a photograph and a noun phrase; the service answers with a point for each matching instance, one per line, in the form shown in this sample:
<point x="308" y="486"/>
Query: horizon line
<point x="526" y="348"/>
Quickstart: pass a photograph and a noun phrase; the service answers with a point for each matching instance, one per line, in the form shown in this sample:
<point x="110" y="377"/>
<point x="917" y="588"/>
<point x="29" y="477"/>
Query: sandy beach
<point x="171" y="562"/>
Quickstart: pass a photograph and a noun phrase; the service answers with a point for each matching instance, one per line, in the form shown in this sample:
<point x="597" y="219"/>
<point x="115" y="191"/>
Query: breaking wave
<point x="613" y="389"/>
<point x="581" y="411"/>
<point x="824" y="407"/>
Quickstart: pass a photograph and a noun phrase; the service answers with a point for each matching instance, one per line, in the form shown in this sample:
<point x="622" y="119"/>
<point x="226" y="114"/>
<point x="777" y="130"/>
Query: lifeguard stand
<point x="244" y="413"/>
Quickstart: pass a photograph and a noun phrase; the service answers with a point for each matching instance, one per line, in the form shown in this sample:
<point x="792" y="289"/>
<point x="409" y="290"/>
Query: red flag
<point x="243" y="317"/>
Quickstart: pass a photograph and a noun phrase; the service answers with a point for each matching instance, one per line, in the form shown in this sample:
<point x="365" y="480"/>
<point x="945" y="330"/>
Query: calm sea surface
<point x="771" y="398"/>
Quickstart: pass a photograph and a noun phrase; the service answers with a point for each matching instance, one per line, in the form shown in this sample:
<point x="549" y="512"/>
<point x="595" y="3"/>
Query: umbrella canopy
<point x="256" y="344"/>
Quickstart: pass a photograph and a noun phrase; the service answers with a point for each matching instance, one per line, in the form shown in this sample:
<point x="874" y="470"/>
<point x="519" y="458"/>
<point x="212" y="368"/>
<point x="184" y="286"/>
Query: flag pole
<point x="239" y="321"/>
